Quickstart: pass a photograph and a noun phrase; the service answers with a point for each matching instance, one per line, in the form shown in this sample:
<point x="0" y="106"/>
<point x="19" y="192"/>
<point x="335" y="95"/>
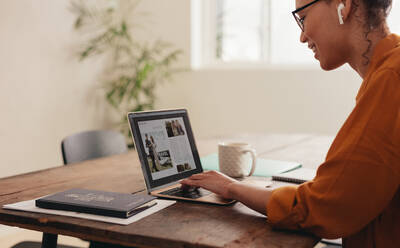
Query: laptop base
<point x="210" y="198"/>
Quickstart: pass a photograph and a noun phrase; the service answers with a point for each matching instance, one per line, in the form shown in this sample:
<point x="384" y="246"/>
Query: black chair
<point x="92" y="144"/>
<point x="80" y="147"/>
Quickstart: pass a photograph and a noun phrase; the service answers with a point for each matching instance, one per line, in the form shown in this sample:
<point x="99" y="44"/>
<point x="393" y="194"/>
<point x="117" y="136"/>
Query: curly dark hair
<point x="376" y="11"/>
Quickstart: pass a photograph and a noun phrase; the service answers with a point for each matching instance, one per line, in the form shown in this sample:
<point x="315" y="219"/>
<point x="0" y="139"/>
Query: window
<point x="393" y="18"/>
<point x="252" y="32"/>
<point x="239" y="30"/>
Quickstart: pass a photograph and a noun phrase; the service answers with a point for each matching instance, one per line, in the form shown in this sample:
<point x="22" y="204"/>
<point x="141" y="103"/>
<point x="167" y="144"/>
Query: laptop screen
<point x="165" y="145"/>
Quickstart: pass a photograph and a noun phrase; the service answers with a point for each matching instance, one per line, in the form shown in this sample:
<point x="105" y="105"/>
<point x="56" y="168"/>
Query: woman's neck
<point x="363" y="49"/>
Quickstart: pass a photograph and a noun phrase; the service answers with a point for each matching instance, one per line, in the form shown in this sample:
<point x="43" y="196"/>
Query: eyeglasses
<point x="300" y="21"/>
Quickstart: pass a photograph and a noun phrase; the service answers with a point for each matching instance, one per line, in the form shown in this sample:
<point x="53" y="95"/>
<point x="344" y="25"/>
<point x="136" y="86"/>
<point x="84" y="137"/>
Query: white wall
<point x="291" y="99"/>
<point x="226" y="102"/>
<point x="45" y="94"/>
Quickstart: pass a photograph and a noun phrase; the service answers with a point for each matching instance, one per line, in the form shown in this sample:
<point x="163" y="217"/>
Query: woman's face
<point x="322" y="32"/>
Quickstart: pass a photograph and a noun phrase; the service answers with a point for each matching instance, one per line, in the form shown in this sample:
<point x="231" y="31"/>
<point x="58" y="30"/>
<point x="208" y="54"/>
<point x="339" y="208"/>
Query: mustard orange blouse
<point x="355" y="194"/>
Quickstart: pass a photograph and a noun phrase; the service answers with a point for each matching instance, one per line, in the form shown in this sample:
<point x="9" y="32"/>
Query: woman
<point x="157" y="164"/>
<point x="175" y="128"/>
<point x="355" y="194"/>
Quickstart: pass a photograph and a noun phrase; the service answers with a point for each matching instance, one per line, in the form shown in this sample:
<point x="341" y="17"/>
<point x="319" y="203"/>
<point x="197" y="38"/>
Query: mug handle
<point x="254" y="160"/>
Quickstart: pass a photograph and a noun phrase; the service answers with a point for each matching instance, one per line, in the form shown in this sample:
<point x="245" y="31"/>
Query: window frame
<point x="203" y="42"/>
<point x="203" y="30"/>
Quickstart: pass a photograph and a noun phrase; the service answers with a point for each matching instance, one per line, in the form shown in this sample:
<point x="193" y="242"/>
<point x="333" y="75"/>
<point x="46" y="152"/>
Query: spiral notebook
<point x="298" y="176"/>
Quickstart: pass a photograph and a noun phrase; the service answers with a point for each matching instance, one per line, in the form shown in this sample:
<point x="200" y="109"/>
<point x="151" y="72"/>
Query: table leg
<point x="49" y="240"/>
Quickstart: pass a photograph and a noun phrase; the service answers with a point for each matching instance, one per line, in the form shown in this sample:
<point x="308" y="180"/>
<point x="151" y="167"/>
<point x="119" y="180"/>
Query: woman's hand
<point x="252" y="196"/>
<point x="211" y="180"/>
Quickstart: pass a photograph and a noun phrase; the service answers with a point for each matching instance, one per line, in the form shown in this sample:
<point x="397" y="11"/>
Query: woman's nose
<point x="303" y="37"/>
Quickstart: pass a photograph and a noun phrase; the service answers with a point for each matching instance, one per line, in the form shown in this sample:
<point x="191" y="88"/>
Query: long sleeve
<point x="360" y="177"/>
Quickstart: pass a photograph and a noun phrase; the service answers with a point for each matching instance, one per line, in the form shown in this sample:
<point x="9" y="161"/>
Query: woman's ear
<point x="344" y="9"/>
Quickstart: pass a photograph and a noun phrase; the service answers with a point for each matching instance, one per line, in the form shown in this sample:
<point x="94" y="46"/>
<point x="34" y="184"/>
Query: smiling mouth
<point x="313" y="48"/>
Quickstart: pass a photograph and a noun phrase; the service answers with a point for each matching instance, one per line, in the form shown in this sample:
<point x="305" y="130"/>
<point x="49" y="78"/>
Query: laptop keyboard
<point x="192" y="193"/>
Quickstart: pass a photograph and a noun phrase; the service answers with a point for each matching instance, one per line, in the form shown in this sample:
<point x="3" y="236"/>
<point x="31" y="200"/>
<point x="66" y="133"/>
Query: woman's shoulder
<point x="384" y="78"/>
<point x="387" y="70"/>
<point x="391" y="58"/>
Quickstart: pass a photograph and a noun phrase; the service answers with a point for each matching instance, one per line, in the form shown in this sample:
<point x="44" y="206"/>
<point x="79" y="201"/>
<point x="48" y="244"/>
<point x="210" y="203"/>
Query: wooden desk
<point x="181" y="225"/>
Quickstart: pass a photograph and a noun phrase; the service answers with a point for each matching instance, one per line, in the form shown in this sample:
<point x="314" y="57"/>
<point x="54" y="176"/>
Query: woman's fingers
<point x="210" y="180"/>
<point x="197" y="176"/>
<point x="189" y="182"/>
<point x="203" y="175"/>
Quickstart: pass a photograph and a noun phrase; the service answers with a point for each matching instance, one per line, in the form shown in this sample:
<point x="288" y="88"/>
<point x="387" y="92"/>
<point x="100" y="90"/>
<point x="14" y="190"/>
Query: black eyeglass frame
<point x="299" y="20"/>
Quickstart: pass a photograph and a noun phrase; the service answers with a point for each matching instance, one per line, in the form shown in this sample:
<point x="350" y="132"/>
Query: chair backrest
<point x="92" y="144"/>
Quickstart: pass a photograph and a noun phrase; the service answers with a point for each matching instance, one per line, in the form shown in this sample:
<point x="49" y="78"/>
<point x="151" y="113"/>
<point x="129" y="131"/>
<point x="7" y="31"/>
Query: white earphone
<point x="339" y="12"/>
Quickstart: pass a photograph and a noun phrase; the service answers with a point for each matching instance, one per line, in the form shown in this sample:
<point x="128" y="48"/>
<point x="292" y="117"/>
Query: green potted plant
<point x="133" y="69"/>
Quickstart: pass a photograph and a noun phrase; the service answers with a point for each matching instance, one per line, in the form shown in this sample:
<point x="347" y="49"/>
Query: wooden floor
<point x="12" y="236"/>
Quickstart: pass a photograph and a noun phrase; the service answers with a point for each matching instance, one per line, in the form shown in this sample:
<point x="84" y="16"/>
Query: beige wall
<point x="45" y="94"/>
<point x="225" y="102"/>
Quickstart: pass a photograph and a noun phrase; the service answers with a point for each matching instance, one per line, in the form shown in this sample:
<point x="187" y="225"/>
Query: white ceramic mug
<point x="234" y="159"/>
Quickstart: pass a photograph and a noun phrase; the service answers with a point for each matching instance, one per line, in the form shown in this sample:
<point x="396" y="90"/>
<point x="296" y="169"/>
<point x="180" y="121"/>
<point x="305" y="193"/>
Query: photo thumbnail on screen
<point x="174" y="128"/>
<point x="157" y="160"/>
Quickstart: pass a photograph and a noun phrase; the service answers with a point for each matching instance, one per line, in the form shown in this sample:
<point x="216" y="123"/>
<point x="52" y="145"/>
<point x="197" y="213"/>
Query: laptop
<point x="167" y="152"/>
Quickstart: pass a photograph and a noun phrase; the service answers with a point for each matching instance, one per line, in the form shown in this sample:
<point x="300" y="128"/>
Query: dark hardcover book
<point x="104" y="203"/>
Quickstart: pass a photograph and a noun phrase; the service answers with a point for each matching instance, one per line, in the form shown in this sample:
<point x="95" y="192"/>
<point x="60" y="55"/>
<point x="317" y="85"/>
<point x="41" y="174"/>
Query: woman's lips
<point x="314" y="49"/>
